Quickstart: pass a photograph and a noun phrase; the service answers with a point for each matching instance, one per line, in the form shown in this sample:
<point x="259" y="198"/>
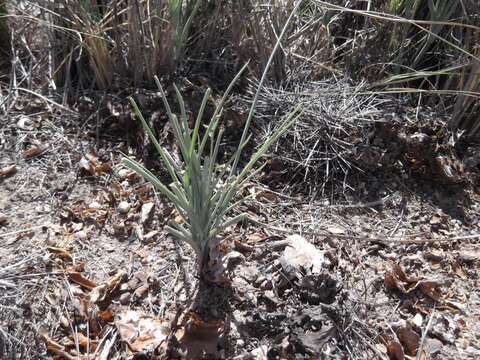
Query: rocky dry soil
<point x="87" y="271"/>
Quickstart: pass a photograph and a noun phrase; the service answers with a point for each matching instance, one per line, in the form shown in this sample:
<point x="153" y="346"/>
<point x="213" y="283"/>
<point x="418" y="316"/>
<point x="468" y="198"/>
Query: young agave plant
<point x="201" y="191"/>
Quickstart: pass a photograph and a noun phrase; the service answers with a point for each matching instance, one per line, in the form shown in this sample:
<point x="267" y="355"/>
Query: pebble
<point x="81" y="235"/>
<point x="418" y="320"/>
<point x="123" y="207"/>
<point x="125" y="298"/>
<point x="95" y="205"/>
<point x="123" y="173"/>
<point x="3" y="219"/>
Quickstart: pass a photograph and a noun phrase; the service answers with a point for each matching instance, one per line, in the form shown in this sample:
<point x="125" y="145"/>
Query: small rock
<point x="146" y="212"/>
<point x="124" y="173"/>
<point x="3" y="219"/>
<point x="81" y="235"/>
<point x="300" y="256"/>
<point x="266" y="285"/>
<point x="336" y="230"/>
<point x="123" y="207"/>
<point x="240" y="343"/>
<point x="260" y="352"/>
<point x="25" y="123"/>
<point x="249" y="273"/>
<point x="467" y="255"/>
<point x="95" y="205"/>
<point x="125" y="298"/>
<point x="417" y="320"/>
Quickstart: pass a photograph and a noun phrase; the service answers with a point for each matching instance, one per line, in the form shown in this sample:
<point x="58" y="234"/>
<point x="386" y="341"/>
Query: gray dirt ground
<point x="70" y="208"/>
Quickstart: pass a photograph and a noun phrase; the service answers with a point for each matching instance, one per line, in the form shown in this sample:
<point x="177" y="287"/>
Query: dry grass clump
<point x="426" y="48"/>
<point x="322" y="143"/>
<point x="111" y="43"/>
<point x="409" y="46"/>
<point x="24" y="286"/>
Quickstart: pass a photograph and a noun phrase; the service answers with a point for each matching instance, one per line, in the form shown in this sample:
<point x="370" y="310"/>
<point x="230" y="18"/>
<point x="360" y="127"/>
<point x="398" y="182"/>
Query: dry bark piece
<point x="8" y="170"/>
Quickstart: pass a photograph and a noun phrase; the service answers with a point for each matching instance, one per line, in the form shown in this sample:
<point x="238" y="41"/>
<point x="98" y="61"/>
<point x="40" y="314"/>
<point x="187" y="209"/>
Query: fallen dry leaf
<point x="93" y="166"/>
<point x="336" y="230"/>
<point x="33" y="151"/>
<point x="242" y="247"/>
<point x="62" y="253"/>
<point x="469" y="254"/>
<point x="255" y="237"/>
<point x="395" y="350"/>
<point x="86" y="343"/>
<point x="55" y="348"/>
<point x="409" y="339"/>
<point x="457" y="268"/>
<point x="102" y="294"/>
<point x="81" y="280"/>
<point x="102" y="168"/>
<point x="142" y="332"/>
<point x="267" y="195"/>
<point x="398" y="280"/>
<point x="106" y="315"/>
<point x="8" y="170"/>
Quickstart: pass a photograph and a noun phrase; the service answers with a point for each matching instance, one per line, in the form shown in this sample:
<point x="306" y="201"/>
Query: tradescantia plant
<point x="202" y="192"/>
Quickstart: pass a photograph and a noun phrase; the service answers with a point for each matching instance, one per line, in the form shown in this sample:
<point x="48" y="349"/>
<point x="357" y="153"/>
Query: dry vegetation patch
<point x="358" y="239"/>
